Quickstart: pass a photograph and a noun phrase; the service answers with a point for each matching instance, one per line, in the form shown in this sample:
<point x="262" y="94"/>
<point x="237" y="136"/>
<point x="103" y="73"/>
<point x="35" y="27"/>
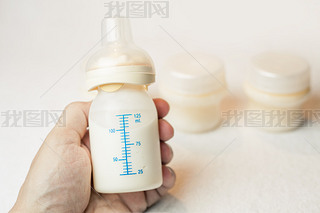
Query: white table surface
<point x="43" y="49"/>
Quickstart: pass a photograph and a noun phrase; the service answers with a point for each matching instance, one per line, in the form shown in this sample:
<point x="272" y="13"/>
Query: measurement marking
<point x="125" y="140"/>
<point x="124" y="115"/>
<point x="128" y="174"/>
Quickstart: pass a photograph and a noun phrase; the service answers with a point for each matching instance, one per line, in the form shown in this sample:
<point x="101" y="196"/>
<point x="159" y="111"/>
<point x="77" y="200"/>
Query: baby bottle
<point x="123" y="122"/>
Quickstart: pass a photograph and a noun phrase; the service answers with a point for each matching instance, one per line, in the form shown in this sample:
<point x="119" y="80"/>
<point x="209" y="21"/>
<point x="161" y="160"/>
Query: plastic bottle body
<point x="194" y="113"/>
<point x="124" y="138"/>
<point x="278" y="84"/>
<point x="194" y="90"/>
<point x="280" y="112"/>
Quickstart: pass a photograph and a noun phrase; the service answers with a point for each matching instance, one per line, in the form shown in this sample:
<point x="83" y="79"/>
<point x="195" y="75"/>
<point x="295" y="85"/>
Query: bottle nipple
<point x="119" y="61"/>
<point x="116" y="31"/>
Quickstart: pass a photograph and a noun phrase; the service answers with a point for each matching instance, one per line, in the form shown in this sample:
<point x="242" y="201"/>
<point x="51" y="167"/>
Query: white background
<point x="43" y="49"/>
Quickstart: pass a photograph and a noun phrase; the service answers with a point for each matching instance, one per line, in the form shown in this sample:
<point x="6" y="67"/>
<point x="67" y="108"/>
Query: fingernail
<point x="171" y="171"/>
<point x="171" y="150"/>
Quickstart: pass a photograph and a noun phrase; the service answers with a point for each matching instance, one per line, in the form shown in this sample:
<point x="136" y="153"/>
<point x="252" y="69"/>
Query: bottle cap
<point x="119" y="60"/>
<point x="279" y="73"/>
<point x="195" y="74"/>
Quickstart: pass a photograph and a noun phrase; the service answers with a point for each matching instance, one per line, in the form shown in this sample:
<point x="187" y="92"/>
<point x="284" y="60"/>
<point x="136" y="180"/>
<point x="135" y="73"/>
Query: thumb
<point x="73" y="123"/>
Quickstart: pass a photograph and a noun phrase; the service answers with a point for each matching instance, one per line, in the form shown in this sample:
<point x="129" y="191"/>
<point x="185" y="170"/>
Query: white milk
<point x="124" y="137"/>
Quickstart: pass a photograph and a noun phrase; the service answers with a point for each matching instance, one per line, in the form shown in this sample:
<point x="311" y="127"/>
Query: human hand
<point x="59" y="179"/>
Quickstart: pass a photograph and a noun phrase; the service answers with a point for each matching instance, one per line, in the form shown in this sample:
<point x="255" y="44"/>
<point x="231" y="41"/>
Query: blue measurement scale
<point x="126" y="144"/>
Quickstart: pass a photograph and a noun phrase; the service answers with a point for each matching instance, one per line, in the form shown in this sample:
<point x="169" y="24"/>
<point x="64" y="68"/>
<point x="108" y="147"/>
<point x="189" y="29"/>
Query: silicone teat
<point x="116" y="30"/>
<point x="119" y="61"/>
